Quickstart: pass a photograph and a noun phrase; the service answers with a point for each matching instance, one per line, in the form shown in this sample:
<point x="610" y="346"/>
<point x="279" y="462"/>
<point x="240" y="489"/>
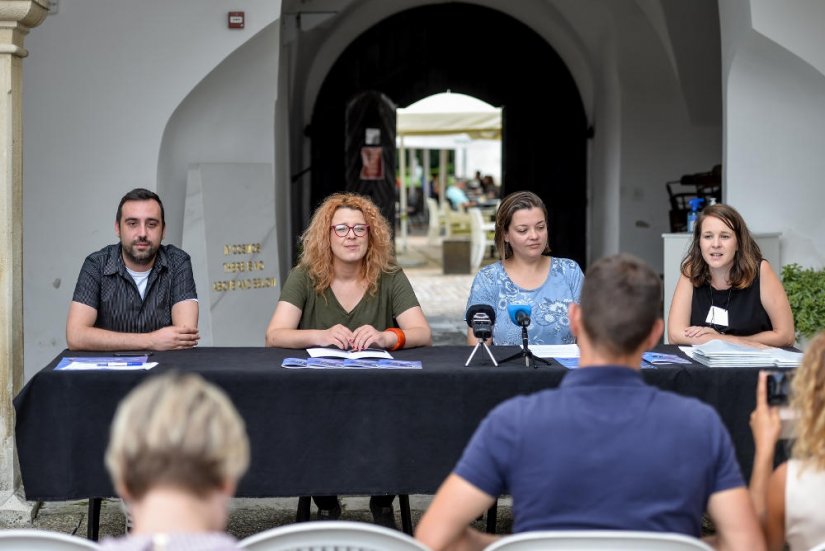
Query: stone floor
<point x="443" y="299"/>
<point x="247" y="516"/>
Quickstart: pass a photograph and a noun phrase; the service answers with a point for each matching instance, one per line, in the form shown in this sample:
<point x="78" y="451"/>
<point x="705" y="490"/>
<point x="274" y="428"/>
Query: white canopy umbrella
<point x="446" y="115"/>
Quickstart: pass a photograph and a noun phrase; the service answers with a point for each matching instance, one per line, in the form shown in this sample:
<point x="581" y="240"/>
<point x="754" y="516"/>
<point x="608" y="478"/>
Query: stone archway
<point x="487" y="54"/>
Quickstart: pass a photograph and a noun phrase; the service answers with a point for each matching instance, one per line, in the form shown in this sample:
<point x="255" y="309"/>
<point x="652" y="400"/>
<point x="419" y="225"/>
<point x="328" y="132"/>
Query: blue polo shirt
<point x="603" y="451"/>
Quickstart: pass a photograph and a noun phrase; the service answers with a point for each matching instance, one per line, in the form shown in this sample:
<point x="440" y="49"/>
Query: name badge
<point x="717" y="316"/>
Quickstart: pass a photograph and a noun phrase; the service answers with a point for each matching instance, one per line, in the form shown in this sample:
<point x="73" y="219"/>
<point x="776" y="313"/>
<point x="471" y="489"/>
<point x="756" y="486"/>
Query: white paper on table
<point x="108" y="366"/>
<point x="348" y="354"/>
<point x="555" y="350"/>
<point x="688" y="350"/>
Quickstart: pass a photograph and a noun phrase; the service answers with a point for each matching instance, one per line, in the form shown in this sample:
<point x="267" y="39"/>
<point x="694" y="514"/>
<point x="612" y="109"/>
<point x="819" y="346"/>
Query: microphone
<point x="481" y="318"/>
<point x="476" y="309"/>
<point x="520" y="314"/>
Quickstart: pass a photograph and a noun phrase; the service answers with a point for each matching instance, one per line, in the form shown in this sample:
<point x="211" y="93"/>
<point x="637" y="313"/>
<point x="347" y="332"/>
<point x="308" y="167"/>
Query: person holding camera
<point x="727" y="291"/>
<point x="790" y="501"/>
<point x="527" y="274"/>
<point x="347" y="292"/>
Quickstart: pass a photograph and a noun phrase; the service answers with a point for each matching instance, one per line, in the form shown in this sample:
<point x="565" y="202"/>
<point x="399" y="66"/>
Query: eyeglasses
<point x="342" y="230"/>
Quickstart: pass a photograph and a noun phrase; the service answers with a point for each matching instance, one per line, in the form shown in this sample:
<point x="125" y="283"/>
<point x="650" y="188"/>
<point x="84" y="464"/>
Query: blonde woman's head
<point x="176" y="430"/>
<point x="808" y="399"/>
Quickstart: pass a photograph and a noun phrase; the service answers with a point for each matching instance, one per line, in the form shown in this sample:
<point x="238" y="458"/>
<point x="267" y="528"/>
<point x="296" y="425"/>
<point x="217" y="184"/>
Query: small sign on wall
<point x="372" y="136"/>
<point x="236" y="19"/>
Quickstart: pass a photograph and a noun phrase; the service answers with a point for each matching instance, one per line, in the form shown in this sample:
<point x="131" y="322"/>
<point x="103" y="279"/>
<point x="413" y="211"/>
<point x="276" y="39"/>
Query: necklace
<point x="719" y="328"/>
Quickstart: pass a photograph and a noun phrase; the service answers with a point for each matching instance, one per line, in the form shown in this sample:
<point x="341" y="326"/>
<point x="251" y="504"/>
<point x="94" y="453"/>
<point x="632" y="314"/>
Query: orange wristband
<point x="402" y="339"/>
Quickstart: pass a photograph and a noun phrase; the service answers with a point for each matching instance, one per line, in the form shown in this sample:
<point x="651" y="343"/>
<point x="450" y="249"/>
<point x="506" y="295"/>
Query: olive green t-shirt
<point x="395" y="296"/>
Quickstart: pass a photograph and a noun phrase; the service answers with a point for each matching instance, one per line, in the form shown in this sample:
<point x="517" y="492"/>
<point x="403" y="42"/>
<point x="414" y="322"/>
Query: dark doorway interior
<point x="483" y="53"/>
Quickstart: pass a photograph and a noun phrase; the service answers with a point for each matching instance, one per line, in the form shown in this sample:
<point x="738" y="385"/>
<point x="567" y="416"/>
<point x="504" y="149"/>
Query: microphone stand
<point x="481" y="342"/>
<point x="529" y="358"/>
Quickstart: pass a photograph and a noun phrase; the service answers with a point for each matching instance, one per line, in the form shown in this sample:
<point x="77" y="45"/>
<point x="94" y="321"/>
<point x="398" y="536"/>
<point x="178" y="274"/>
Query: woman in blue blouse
<point x="527" y="274"/>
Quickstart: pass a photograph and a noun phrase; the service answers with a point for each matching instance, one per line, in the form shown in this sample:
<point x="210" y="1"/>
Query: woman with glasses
<point x="727" y="290"/>
<point x="347" y="292"/>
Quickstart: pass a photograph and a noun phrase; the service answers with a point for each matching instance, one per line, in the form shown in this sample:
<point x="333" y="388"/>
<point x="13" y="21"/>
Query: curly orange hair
<point x="808" y="400"/>
<point x="316" y="257"/>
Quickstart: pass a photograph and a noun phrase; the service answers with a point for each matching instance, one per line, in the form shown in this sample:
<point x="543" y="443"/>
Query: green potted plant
<point x="805" y="288"/>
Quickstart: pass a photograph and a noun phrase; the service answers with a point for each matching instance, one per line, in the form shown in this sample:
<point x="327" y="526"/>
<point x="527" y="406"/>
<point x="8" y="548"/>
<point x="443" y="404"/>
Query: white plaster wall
<point x="659" y="141"/>
<point x="228" y="117"/>
<point x="775" y="113"/>
<point x="100" y="83"/>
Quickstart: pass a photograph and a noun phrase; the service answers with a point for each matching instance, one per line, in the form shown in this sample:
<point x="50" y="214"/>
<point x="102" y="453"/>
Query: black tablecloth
<point x="323" y="431"/>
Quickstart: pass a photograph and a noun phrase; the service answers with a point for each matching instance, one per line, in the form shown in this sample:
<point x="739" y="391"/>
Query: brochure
<point x="660" y="358"/>
<point x="348" y="354"/>
<point x="119" y="363"/>
<point x="356" y="363"/>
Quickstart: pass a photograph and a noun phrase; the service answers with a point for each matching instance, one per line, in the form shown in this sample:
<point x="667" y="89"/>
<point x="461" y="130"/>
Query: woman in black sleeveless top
<point x="726" y="289"/>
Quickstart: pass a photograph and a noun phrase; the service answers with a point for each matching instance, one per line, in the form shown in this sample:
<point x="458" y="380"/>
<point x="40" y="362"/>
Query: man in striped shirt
<point x="136" y="294"/>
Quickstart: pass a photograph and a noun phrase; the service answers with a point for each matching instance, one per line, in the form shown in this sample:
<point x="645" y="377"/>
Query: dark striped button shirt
<point x="105" y="285"/>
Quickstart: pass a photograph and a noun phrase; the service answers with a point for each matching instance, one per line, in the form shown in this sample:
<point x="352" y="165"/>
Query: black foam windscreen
<point x="479" y="309"/>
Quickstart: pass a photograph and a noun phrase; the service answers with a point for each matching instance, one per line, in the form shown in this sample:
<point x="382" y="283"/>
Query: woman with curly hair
<point x="790" y="501"/>
<point x="727" y="291"/>
<point x="347" y="292"/>
<point x="527" y="274"/>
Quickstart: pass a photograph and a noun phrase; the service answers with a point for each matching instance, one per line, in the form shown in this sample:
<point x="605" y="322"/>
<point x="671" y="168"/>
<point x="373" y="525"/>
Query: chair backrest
<point x="432" y="210"/>
<point x="598" y="540"/>
<point x="479" y="237"/>
<point x="42" y="540"/>
<point x="352" y="536"/>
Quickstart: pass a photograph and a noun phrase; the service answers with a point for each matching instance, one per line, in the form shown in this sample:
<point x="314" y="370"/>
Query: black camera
<point x="482" y="326"/>
<point x="481" y="317"/>
<point x="779" y="383"/>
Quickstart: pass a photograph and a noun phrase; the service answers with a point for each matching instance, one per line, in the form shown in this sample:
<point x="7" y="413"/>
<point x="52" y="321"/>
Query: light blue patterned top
<point x="549" y="323"/>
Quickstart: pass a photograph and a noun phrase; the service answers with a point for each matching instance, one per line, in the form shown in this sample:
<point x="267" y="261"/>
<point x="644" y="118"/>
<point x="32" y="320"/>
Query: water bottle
<point x="693" y="215"/>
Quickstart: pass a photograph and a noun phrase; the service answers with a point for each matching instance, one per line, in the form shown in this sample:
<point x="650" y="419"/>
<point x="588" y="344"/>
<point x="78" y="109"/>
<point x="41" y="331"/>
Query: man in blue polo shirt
<point x="604" y="450"/>
<point x="136" y="294"/>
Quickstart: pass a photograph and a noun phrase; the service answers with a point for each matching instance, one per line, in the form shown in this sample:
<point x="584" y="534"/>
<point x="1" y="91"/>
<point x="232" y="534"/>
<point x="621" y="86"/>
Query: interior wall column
<point x="16" y="18"/>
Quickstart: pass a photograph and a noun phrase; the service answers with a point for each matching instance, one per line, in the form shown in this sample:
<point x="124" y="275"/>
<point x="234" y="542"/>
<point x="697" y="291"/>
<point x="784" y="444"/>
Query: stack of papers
<point x="119" y="363"/>
<point x="786" y="358"/>
<point x="718" y="353"/>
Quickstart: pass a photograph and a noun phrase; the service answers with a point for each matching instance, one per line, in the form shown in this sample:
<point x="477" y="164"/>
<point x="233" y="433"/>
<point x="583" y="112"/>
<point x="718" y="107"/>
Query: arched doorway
<point x="483" y="53"/>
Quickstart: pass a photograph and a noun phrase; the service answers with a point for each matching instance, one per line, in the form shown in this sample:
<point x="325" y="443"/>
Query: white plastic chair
<point x="42" y="540"/>
<point x="598" y="540"/>
<point x="436" y="221"/>
<point x="479" y="238"/>
<point x="352" y="536"/>
<point x="456" y="222"/>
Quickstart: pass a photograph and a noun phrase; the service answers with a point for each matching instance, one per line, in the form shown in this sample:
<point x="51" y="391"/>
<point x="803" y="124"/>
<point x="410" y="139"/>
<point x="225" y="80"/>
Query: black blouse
<point x="746" y="316"/>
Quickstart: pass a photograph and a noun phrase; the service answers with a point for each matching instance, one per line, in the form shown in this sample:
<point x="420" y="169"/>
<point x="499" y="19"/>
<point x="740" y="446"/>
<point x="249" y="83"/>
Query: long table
<point x="331" y="431"/>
